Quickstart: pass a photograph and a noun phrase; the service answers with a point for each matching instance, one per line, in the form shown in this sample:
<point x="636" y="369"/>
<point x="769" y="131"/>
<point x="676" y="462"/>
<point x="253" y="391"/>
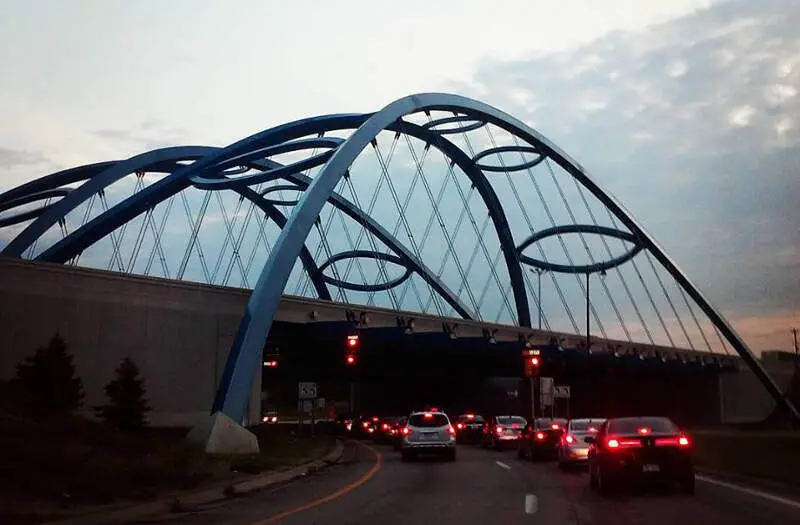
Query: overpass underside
<point x="180" y="334"/>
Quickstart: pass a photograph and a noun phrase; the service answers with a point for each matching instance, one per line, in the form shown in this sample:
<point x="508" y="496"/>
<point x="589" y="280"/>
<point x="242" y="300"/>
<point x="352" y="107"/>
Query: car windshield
<point x="428" y="420"/>
<point x="511" y="420"/>
<point x="584" y="425"/>
<point x="656" y="425"/>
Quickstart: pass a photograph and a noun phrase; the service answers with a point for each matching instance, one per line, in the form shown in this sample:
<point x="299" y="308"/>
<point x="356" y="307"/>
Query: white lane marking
<point x="752" y="492"/>
<point x="531" y="504"/>
<point x="501" y="464"/>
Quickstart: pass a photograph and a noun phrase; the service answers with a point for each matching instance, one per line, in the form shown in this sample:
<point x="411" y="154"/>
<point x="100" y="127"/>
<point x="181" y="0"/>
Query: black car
<point x="636" y="450"/>
<point x="468" y="428"/>
<point x="383" y="429"/>
<point x="397" y="432"/>
<point x="541" y="438"/>
<point x="362" y="427"/>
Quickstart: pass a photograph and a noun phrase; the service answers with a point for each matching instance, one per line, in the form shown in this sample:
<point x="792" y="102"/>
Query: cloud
<point x="150" y="134"/>
<point x="12" y="158"/>
<point x="694" y="124"/>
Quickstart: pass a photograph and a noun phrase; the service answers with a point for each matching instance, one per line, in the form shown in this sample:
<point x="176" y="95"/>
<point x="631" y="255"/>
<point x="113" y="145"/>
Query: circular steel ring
<point x="363" y="254"/>
<point x="281" y="187"/>
<point x="472" y="126"/>
<point x="509" y="149"/>
<point x="16" y="218"/>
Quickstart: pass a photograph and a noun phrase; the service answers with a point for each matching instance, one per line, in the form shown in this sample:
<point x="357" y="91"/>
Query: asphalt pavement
<point x="372" y="486"/>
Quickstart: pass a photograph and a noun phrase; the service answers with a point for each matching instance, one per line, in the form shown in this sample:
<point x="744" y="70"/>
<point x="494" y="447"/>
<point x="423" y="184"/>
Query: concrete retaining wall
<point x="179" y="334"/>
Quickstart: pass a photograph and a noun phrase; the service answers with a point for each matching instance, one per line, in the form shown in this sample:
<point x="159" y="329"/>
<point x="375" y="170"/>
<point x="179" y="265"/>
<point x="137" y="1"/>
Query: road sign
<point x="307" y="390"/>
<point x="546" y="388"/>
<point x="561" y="392"/>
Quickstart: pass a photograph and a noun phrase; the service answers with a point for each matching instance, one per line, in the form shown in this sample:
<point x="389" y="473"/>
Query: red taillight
<point x="470" y="416"/>
<point x="365" y="424"/>
<point x="459" y="425"/>
<point x="385" y="426"/>
<point x="623" y="443"/>
<point x="555" y="426"/>
<point x="643" y="431"/>
<point x="499" y="429"/>
<point x="428" y="415"/>
<point x="406" y="431"/>
<point x="540" y="436"/>
<point x="451" y="430"/>
<point x="592" y="429"/>
<point x="514" y="425"/>
<point x="569" y="439"/>
<point x="680" y="441"/>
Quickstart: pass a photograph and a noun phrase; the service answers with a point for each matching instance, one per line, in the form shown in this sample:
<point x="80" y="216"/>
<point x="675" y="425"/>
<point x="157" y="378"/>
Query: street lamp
<point x="539" y="272"/>
<point x="588" y="310"/>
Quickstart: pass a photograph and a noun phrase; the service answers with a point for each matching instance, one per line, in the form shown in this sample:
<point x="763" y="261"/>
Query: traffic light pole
<point x="533" y="397"/>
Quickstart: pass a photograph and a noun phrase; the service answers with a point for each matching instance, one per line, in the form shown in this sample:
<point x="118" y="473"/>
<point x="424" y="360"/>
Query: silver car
<point x="573" y="449"/>
<point x="428" y="433"/>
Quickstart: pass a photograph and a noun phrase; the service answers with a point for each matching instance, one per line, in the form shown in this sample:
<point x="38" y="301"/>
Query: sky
<point x="687" y="110"/>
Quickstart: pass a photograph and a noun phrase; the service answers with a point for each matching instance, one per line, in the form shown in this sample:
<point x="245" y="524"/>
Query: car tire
<point x="687" y="486"/>
<point x="604" y="484"/>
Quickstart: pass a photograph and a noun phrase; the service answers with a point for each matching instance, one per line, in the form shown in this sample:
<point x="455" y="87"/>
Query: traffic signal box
<point x="533" y="361"/>
<point x="352" y="345"/>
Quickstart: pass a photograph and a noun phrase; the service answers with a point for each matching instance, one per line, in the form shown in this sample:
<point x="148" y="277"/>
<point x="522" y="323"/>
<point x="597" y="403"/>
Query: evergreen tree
<point x="128" y="406"/>
<point x="46" y="382"/>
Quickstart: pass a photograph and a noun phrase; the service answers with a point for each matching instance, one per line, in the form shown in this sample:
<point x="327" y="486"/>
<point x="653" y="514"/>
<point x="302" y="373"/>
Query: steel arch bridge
<point x="497" y="198"/>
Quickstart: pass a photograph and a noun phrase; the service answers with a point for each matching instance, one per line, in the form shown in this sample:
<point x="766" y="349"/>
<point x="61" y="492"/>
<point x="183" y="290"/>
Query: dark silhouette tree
<point x="128" y="405"/>
<point x="46" y="383"/>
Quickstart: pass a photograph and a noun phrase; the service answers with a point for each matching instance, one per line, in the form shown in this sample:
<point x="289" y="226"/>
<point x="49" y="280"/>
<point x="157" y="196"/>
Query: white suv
<point x="428" y="433"/>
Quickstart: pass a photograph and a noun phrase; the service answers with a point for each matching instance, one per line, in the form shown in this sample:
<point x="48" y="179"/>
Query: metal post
<point x="796" y="350"/>
<point x="539" y="301"/>
<point x="588" y="343"/>
<point x="533" y="397"/>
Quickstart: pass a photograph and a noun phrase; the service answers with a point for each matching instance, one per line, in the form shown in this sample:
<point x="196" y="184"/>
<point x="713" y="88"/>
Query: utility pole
<point x="796" y="350"/>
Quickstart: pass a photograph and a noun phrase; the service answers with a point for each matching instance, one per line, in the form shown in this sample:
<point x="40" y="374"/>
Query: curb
<point x="181" y="502"/>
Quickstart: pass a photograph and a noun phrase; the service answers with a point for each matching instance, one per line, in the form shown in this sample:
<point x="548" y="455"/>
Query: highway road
<point x="372" y="486"/>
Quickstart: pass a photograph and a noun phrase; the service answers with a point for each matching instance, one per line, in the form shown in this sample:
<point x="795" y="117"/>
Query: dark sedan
<point x="541" y="438"/>
<point x="638" y="450"/>
<point x="468" y="428"/>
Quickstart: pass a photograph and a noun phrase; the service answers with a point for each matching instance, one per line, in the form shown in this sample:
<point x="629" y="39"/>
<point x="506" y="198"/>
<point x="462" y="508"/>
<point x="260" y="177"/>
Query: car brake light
<point x="680" y="441"/>
<point x="451" y="430"/>
<point x="555" y="426"/>
<point x="540" y="436"/>
<point x="459" y="425"/>
<point x="623" y="443"/>
<point x="569" y="439"/>
<point x="592" y="429"/>
<point x="499" y="429"/>
<point x="428" y="415"/>
<point x="514" y="425"/>
<point x="643" y="431"/>
<point x="385" y="426"/>
<point x="406" y="431"/>
<point x="470" y="416"/>
<point x="365" y="424"/>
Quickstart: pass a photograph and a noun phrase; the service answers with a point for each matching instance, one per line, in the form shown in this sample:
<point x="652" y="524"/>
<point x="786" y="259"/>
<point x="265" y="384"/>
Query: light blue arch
<point x="245" y="356"/>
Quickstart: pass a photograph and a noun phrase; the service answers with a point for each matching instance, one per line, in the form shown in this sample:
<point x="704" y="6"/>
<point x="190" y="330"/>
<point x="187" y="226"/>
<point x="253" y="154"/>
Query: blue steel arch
<point x="217" y="164"/>
<point x="245" y="356"/>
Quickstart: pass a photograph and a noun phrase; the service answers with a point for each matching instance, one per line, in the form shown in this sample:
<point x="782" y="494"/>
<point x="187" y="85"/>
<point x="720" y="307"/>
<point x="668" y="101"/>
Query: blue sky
<point x="686" y="110"/>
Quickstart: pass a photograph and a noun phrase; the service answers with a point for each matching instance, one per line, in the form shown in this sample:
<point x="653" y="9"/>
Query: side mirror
<point x="588" y="439"/>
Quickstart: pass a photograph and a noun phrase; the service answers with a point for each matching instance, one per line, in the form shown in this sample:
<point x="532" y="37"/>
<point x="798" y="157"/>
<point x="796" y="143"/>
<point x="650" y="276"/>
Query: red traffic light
<point x="352" y="341"/>
<point x="350" y="359"/>
<point x="273" y="363"/>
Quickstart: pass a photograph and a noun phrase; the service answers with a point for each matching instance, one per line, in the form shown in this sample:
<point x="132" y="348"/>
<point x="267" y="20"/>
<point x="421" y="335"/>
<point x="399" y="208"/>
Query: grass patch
<point x="771" y="456"/>
<point x="281" y="448"/>
<point x="58" y="467"/>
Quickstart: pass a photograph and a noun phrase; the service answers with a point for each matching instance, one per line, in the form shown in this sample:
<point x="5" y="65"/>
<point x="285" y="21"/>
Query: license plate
<point x="650" y="468"/>
<point x="427" y="436"/>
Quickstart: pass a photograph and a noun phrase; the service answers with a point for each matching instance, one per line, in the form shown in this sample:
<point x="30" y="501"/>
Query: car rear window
<point x="513" y="420"/>
<point x="583" y="426"/>
<point x="476" y="419"/>
<point x="546" y="422"/>
<point x="432" y="421"/>
<point x="657" y="425"/>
